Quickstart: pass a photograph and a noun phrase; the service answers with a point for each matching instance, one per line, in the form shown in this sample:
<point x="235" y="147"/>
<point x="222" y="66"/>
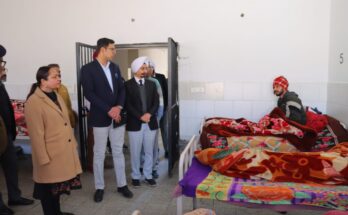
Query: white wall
<point x="232" y="60"/>
<point x="337" y="101"/>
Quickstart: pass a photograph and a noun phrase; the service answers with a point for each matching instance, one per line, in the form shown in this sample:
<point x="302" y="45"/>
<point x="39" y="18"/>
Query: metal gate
<point x="173" y="105"/>
<point x="84" y="55"/>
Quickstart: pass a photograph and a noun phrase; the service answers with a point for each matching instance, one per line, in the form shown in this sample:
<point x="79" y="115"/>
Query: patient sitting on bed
<point x="289" y="102"/>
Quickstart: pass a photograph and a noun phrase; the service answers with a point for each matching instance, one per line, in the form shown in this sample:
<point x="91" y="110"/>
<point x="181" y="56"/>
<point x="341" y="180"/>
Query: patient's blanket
<point x="330" y="167"/>
<point x="275" y="124"/>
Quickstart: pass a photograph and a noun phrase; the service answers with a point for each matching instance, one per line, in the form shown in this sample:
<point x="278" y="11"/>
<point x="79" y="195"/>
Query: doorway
<point x="165" y="57"/>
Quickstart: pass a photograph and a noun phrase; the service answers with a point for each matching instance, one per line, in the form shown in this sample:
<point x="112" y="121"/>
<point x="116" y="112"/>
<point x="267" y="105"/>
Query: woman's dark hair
<point x="42" y="73"/>
<point x="53" y="65"/>
<point x="103" y="42"/>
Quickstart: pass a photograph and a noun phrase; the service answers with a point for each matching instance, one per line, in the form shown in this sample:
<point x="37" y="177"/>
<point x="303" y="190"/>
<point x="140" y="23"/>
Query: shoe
<point x="5" y="210"/>
<point x="125" y="192"/>
<point x="98" y="195"/>
<point x="155" y="174"/>
<point x="150" y="182"/>
<point x="20" y="201"/>
<point x="136" y="182"/>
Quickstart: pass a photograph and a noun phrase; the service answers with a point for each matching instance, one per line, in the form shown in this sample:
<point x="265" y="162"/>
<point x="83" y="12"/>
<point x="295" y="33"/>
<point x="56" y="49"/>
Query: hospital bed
<point x="199" y="181"/>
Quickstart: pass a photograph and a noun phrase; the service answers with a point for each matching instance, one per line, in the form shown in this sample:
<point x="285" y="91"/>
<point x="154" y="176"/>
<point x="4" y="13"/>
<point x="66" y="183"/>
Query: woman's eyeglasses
<point x="2" y="63"/>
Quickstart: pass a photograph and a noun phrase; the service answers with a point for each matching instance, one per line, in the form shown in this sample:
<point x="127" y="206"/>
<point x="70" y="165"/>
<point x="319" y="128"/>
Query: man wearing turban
<point x="142" y="103"/>
<point x="289" y="102"/>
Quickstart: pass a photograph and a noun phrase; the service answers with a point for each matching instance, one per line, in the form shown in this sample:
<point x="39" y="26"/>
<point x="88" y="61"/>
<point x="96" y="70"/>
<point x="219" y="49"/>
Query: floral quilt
<point x="274" y="124"/>
<point x="276" y="144"/>
<point x="330" y="167"/>
<point x="21" y="126"/>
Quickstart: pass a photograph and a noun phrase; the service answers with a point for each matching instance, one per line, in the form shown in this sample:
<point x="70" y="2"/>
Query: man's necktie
<point x="141" y="82"/>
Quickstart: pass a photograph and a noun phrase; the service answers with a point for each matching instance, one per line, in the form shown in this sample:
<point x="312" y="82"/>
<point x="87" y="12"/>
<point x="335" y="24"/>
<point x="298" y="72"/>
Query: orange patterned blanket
<point x="330" y="167"/>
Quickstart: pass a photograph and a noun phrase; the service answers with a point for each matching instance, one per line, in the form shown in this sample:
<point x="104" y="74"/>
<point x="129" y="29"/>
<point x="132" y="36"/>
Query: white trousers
<point x="155" y="158"/>
<point x="138" y="139"/>
<point x="116" y="136"/>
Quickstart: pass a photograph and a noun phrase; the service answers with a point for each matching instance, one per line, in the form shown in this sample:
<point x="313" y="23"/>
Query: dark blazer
<point x="163" y="82"/>
<point x="134" y="105"/>
<point x="98" y="92"/>
<point x="7" y="113"/>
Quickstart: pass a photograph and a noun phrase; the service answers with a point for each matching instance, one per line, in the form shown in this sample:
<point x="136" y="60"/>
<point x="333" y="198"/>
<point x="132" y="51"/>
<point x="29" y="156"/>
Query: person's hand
<point x="146" y="117"/>
<point x="117" y="112"/>
<point x="114" y="113"/>
<point x="118" y="119"/>
<point x="111" y="113"/>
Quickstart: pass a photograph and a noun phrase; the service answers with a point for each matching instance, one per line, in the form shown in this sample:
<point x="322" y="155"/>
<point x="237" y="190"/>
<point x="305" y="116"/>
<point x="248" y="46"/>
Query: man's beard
<point x="279" y="93"/>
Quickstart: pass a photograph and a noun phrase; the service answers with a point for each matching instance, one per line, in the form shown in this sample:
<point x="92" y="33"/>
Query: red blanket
<point x="274" y="124"/>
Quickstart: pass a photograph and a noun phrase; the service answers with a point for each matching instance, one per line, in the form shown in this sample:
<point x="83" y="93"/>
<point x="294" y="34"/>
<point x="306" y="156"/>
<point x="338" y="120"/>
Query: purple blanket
<point x="194" y="176"/>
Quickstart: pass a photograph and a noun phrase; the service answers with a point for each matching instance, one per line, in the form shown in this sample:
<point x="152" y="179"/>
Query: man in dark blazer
<point x="103" y="87"/>
<point x="163" y="123"/>
<point x="9" y="159"/>
<point x="142" y="102"/>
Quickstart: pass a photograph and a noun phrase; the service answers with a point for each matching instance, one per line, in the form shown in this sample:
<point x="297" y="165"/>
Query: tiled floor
<point x="147" y="199"/>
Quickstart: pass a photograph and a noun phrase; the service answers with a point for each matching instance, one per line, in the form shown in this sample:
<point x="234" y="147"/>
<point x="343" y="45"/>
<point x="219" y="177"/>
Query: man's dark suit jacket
<point x="7" y="113"/>
<point x="134" y="104"/>
<point x="163" y="82"/>
<point x="98" y="92"/>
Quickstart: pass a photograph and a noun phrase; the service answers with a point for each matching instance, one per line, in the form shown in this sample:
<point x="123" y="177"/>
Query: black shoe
<point x="155" y="174"/>
<point x="125" y="191"/>
<point x="150" y="182"/>
<point x="20" y="201"/>
<point x="136" y="182"/>
<point x="5" y="210"/>
<point x="98" y="195"/>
